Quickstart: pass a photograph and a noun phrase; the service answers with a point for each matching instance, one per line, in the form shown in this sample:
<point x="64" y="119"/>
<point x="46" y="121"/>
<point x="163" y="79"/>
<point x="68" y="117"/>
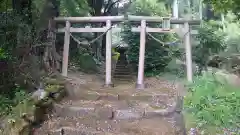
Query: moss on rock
<point x="32" y="111"/>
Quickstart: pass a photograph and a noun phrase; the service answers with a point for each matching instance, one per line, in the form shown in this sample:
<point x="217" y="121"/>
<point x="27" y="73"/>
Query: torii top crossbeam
<point x="129" y="17"/>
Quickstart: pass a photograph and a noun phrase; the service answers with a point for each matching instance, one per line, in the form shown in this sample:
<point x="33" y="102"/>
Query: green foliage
<point x="3" y="54"/>
<point x="84" y="61"/>
<point x="219" y="42"/>
<point x="16" y="40"/>
<point x="225" y="5"/>
<point x="232" y="34"/>
<point x="11" y="99"/>
<point x="74" y="7"/>
<point x="213" y="103"/>
<point x="211" y="43"/>
<point x="148" y="8"/>
<point x="157" y="56"/>
<point x="8" y="27"/>
<point x="5" y="5"/>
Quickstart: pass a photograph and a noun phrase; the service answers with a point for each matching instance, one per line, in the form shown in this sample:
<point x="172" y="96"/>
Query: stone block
<point x="128" y="114"/>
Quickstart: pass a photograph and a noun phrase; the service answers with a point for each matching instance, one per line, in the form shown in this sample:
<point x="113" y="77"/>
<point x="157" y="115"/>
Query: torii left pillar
<point x="66" y="49"/>
<point x="108" y="76"/>
<point x="140" y="80"/>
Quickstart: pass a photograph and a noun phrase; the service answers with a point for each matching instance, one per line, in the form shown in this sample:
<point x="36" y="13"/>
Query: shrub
<point x="11" y="99"/>
<point x="211" y="43"/>
<point x="84" y="61"/>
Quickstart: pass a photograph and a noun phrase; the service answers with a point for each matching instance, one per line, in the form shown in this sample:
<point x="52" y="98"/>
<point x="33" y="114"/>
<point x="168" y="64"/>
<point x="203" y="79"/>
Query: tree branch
<point x="109" y="7"/>
<point x="105" y="9"/>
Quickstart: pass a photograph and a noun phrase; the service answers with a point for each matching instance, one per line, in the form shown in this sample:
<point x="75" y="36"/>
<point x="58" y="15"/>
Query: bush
<point x="213" y="103"/>
<point x="211" y="43"/>
<point x="84" y="60"/>
<point x="11" y="99"/>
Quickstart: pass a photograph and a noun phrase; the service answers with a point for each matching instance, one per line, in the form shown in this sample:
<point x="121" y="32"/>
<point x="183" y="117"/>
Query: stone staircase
<point x="122" y="72"/>
<point x="90" y="109"/>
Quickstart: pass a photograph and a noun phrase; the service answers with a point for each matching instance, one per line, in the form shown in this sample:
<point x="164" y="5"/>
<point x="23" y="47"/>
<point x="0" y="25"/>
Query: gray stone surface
<point x="128" y="114"/>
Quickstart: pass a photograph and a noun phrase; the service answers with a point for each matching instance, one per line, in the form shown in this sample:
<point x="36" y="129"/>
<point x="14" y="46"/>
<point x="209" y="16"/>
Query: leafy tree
<point x="211" y="43"/>
<point x="74" y="8"/>
<point x="225" y="5"/>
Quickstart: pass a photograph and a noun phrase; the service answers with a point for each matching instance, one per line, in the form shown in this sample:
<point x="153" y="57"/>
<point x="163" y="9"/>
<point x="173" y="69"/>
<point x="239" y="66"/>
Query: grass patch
<point x="212" y="106"/>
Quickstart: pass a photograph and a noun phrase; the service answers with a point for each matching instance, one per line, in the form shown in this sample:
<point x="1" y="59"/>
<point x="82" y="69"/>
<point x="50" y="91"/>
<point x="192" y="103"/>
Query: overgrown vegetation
<point x="210" y="43"/>
<point x="8" y="101"/>
<point x="212" y="102"/>
<point x="213" y="105"/>
<point x="24" y="111"/>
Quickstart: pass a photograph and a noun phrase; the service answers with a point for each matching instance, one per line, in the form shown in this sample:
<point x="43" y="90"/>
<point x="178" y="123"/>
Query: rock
<point x="54" y="81"/>
<point x="54" y="88"/>
<point x="224" y="76"/>
<point x="73" y="111"/>
<point x="39" y="94"/>
<point x="128" y="114"/>
<point x="193" y="131"/>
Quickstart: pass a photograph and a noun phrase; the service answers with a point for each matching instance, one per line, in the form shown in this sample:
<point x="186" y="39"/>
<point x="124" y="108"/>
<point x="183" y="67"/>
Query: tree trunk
<point x="210" y="15"/>
<point x="46" y="27"/>
<point x="96" y="6"/>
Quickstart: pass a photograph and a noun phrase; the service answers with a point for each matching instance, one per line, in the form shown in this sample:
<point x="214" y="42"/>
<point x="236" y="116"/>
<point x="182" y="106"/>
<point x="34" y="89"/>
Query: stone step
<point x="114" y="96"/>
<point x="118" y="82"/>
<point x="125" y="70"/>
<point x="122" y="61"/>
<point x="122" y="71"/>
<point x="124" y="91"/>
<point x="127" y="74"/>
<point x="117" y="110"/>
<point x="122" y="80"/>
<point x="123" y="76"/>
<point x="65" y="126"/>
<point x="92" y="126"/>
<point x="118" y="70"/>
<point x="122" y="66"/>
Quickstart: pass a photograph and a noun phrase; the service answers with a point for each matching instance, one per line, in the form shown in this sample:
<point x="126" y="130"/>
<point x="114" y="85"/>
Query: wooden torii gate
<point x="185" y="32"/>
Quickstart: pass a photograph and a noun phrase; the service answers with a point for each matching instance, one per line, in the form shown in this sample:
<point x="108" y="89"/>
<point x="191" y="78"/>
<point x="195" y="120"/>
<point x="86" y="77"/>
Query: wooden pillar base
<point x="140" y="86"/>
<point x="108" y="85"/>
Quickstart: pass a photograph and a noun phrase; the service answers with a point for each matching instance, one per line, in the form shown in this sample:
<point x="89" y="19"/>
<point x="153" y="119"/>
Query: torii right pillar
<point x="188" y="50"/>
